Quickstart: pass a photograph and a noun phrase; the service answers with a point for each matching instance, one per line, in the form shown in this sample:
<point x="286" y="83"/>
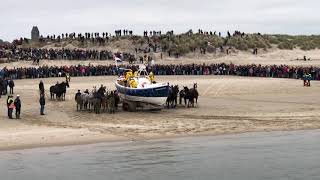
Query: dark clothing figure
<point x="5" y="85"/>
<point x="77" y="95"/>
<point x="17" y="104"/>
<point x="10" y="104"/>
<point x="11" y="85"/>
<point x="42" y="102"/>
<point x="1" y="87"/>
<point x="41" y="87"/>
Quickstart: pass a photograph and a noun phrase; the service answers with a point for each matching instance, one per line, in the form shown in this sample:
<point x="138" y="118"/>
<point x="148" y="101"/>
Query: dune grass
<point x="190" y="42"/>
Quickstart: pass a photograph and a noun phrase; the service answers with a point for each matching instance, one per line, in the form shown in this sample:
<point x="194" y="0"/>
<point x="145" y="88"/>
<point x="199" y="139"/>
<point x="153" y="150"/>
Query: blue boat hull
<point x="154" y="95"/>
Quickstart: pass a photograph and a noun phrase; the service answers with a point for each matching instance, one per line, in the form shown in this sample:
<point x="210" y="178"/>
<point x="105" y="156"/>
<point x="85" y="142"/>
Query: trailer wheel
<point x="125" y="106"/>
<point x="132" y="106"/>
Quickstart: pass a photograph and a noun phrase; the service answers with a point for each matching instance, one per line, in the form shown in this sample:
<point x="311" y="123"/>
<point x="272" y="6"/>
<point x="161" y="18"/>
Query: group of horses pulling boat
<point x="144" y="93"/>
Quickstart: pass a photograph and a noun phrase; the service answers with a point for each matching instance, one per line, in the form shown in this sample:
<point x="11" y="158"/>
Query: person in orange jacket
<point x="10" y="104"/>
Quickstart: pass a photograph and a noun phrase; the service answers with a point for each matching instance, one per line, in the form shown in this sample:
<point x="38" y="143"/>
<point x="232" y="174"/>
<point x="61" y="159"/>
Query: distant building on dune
<point x="35" y="34"/>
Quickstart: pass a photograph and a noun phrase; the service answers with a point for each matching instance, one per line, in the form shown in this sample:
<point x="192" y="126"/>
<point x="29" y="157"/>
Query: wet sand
<point x="227" y="105"/>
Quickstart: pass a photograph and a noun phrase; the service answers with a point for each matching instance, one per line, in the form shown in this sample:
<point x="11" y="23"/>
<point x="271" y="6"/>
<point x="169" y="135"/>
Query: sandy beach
<point x="227" y="105"/>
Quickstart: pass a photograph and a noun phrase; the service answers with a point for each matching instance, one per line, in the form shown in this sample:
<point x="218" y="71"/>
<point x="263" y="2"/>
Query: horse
<point x="59" y="90"/>
<point x="104" y="102"/>
<point x="182" y="94"/>
<point x="194" y="92"/>
<point x="94" y="101"/>
<point x="191" y="95"/>
<point x="172" y="98"/>
<point x="117" y="99"/>
<point x="112" y="102"/>
<point x="85" y="98"/>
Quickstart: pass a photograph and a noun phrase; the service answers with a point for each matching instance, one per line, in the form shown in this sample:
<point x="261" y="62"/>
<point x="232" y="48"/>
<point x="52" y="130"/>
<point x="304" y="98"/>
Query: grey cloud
<point x="266" y="16"/>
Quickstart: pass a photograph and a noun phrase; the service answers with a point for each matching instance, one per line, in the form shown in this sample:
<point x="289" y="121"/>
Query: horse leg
<point x="196" y="101"/>
<point x="175" y="102"/>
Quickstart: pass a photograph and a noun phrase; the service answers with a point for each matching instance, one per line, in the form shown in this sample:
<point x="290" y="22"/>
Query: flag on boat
<point x="117" y="59"/>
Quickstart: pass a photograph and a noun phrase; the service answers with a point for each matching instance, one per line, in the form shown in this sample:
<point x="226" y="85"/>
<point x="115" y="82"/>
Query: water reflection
<point x="281" y="155"/>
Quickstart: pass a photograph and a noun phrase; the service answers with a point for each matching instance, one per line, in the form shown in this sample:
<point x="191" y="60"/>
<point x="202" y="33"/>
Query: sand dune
<point x="273" y="56"/>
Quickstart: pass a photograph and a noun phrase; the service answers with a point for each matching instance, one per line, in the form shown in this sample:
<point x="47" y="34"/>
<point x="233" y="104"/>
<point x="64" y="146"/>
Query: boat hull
<point x="154" y="95"/>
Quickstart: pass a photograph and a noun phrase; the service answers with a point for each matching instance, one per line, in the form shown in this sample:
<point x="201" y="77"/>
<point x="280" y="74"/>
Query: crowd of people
<point x="153" y="39"/>
<point x="12" y="103"/>
<point x="37" y="54"/>
<point x="273" y="71"/>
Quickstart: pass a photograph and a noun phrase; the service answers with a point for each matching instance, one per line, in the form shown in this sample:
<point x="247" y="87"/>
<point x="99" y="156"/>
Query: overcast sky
<point x="56" y="16"/>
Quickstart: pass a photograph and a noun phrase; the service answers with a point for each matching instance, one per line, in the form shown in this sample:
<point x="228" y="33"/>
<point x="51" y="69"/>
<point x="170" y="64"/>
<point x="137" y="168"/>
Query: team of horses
<point x="98" y="101"/>
<point x="59" y="91"/>
<point x="107" y="101"/>
<point x="190" y="96"/>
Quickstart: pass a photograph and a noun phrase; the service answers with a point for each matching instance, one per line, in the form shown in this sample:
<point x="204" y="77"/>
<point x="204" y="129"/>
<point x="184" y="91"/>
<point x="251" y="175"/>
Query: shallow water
<point x="253" y="156"/>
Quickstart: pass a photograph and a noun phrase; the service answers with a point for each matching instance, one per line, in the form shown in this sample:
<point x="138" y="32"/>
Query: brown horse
<point x="191" y="95"/>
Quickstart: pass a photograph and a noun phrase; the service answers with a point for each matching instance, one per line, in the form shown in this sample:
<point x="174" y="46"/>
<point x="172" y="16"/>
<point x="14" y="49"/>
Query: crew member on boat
<point x="151" y="77"/>
<point x="127" y="77"/>
<point x="135" y="74"/>
<point x="133" y="83"/>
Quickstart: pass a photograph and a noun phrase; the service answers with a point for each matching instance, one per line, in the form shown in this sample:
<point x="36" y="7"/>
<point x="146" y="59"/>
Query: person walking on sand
<point x="10" y="104"/>
<point x="17" y="104"/>
<point x="42" y="102"/>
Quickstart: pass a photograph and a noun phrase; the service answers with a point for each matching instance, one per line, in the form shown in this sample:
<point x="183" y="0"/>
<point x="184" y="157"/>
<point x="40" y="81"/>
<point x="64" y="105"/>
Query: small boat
<point x="146" y="92"/>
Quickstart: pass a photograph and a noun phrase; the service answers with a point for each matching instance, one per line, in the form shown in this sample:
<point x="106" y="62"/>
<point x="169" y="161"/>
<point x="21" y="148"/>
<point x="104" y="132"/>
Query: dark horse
<point x="173" y="96"/>
<point x="182" y="94"/>
<point x="191" y="95"/>
<point x="59" y="90"/>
